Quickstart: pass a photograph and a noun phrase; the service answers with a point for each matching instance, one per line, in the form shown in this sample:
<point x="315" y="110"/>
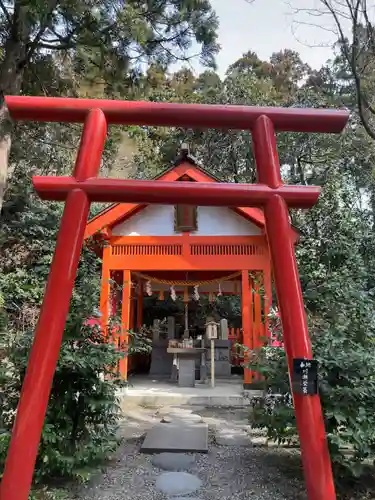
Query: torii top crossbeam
<point x="69" y="110"/>
<point x="83" y="187"/>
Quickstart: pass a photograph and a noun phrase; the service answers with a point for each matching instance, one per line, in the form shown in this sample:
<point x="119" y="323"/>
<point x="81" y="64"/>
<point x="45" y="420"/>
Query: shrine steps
<point x="146" y="391"/>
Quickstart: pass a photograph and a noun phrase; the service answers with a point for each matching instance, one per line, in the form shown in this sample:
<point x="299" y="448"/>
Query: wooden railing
<point x="189" y="252"/>
<point x="146" y="250"/>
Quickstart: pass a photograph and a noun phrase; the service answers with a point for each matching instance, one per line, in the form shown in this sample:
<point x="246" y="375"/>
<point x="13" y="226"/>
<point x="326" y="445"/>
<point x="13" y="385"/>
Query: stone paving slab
<point x="178" y="437"/>
<point x="185" y="498"/>
<point x="232" y="437"/>
<point x="178" y="483"/>
<point x="177" y="418"/>
<point x="173" y="461"/>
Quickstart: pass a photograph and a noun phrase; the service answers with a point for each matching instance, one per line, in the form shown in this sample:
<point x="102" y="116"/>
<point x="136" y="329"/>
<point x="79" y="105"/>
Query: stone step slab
<point x="185" y="498"/>
<point x="232" y="437"/>
<point x="176" y="437"/>
<point x="178" y="483"/>
<point x="181" y="417"/>
<point x="173" y="461"/>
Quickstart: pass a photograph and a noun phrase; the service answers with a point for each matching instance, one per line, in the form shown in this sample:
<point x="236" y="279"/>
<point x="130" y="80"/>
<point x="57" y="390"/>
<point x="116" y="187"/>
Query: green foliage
<point x="103" y="43"/>
<point x="347" y="383"/>
<point x="80" y="426"/>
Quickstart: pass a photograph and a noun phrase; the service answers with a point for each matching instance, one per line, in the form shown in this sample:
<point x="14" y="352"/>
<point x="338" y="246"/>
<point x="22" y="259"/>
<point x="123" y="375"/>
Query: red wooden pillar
<point x="309" y="417"/>
<point x="132" y="306"/>
<point x="257" y="322"/>
<point x="115" y="295"/>
<point x="125" y="321"/>
<point x="267" y="299"/>
<point x="247" y="318"/>
<point x="105" y="292"/>
<point x="23" y="448"/>
<point x="139" y="305"/>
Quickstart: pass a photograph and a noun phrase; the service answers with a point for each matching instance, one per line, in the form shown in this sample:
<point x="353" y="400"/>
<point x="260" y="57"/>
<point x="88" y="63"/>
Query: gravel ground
<point x="227" y="472"/>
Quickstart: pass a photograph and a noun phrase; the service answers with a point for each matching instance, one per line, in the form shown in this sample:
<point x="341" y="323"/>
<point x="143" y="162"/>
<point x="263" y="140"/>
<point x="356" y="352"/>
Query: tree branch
<point x="5" y="12"/>
<point x="352" y="53"/>
<point x="43" y="26"/>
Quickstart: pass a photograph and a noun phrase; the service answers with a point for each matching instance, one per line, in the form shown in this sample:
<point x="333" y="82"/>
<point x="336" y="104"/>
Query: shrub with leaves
<point x="80" y="425"/>
<point x="347" y="392"/>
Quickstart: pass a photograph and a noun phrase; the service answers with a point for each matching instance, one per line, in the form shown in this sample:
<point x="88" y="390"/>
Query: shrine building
<point x="183" y="251"/>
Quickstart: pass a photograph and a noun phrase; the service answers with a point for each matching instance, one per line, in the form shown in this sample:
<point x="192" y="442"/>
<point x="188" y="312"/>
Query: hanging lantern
<point x="219" y="293"/>
<point x="196" y="293"/>
<point x="149" y="288"/>
<point x="173" y="293"/>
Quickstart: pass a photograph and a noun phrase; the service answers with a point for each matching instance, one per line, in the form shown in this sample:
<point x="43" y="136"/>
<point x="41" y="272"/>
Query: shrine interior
<point x="193" y="282"/>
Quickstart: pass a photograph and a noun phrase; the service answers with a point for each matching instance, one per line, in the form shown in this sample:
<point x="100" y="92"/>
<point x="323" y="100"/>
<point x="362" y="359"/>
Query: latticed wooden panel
<point x="245" y="249"/>
<point x="132" y="250"/>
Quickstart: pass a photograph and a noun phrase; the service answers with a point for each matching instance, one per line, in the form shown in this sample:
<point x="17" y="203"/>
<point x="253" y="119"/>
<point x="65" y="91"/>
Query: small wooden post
<point x="211" y="333"/>
<point x="212" y="362"/>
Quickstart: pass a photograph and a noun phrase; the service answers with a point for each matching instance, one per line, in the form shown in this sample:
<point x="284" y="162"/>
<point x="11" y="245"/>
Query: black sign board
<point x="305" y="376"/>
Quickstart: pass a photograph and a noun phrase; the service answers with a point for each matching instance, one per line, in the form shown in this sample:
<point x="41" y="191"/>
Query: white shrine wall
<point x="158" y="220"/>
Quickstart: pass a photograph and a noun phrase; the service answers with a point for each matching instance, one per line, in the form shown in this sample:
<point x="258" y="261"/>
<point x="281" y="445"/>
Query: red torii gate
<point x="84" y="187"/>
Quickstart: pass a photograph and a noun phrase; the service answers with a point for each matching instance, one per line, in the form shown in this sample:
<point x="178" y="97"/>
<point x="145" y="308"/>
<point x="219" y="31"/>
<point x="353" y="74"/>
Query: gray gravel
<point x="227" y="472"/>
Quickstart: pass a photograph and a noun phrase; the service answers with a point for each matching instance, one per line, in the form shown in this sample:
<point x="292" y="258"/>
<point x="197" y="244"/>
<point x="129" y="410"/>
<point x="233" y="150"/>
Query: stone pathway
<point x="233" y="468"/>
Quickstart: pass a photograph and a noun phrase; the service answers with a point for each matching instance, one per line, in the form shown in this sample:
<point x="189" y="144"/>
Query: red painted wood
<point x="62" y="109"/>
<point x="247" y="323"/>
<point x="309" y="416"/>
<point x="79" y="191"/>
<point x="117" y="213"/>
<point x="23" y="447"/>
<point x="208" y="194"/>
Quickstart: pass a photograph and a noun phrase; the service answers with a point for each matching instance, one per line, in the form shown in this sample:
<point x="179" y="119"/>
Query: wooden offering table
<point x="186" y="357"/>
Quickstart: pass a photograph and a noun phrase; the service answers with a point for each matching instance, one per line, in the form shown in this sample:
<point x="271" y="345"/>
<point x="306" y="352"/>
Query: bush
<point x="344" y="347"/>
<point x="80" y="425"/>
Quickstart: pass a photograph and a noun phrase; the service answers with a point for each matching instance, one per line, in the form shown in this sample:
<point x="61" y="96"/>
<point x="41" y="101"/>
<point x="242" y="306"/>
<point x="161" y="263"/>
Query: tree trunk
<point x="372" y="204"/>
<point x="12" y="70"/>
<point x="5" y="143"/>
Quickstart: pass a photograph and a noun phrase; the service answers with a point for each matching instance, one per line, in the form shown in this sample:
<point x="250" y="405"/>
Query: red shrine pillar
<point x="309" y="416"/>
<point x="125" y="321"/>
<point x="267" y="299"/>
<point x="105" y="292"/>
<point x="139" y="305"/>
<point x="32" y="406"/>
<point x="247" y="324"/>
<point x="132" y="306"/>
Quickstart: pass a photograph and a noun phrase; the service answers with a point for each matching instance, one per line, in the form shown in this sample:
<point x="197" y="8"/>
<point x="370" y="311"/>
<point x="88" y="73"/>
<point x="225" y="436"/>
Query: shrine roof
<point x="185" y="165"/>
